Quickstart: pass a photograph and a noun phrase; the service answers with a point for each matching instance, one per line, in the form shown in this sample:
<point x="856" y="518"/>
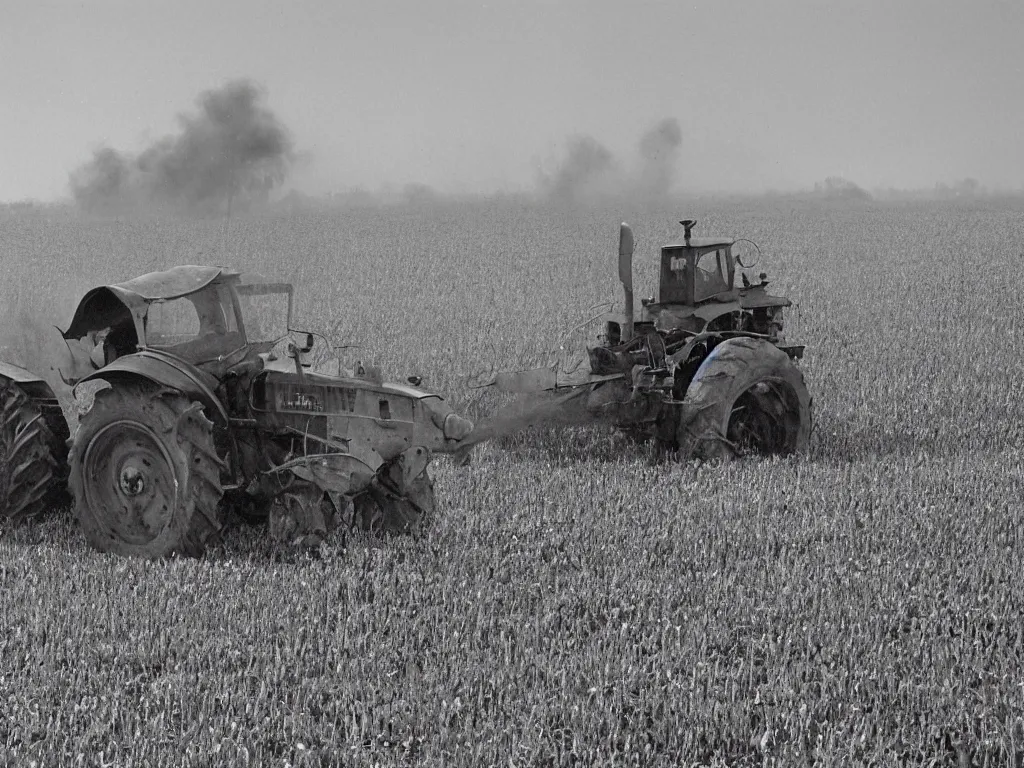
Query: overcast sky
<point x="476" y="96"/>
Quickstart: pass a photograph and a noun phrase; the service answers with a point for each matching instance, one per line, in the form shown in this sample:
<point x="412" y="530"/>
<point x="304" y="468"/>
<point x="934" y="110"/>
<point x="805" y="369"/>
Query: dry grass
<point x="575" y="602"/>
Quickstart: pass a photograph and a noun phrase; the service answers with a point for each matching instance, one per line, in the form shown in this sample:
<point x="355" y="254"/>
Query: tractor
<point x="703" y="368"/>
<point x="33" y="446"/>
<point x="213" y="404"/>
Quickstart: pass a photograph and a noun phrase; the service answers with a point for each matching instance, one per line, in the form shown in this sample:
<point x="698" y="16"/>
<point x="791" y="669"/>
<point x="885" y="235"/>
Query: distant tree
<point x="967" y="188"/>
<point x="838" y="188"/>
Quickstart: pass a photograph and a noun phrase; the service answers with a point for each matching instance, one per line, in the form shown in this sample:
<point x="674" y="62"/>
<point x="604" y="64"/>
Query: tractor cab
<point x="697" y="292"/>
<point x="198" y="314"/>
<point x="697" y="270"/>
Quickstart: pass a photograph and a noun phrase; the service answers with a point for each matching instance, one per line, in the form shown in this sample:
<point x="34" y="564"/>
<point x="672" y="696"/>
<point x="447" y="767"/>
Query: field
<point x="576" y="601"/>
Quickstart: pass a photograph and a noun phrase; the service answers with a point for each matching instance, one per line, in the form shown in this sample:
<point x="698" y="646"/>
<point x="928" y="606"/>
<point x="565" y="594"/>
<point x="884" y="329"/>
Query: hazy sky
<point x="476" y="96"/>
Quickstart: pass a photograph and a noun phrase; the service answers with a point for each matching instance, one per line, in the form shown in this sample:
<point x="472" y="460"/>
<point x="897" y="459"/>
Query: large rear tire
<point x="145" y="474"/>
<point x="746" y="398"/>
<point x="29" y="473"/>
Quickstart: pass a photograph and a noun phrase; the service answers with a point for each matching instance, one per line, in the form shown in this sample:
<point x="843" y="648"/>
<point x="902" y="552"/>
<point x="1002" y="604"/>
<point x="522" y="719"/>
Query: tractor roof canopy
<point x="104" y="305"/>
<point x="198" y="314"/>
<point x="703" y="242"/>
<point x="173" y="283"/>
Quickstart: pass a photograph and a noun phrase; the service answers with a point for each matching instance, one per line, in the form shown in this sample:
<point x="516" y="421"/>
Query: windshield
<point x="177" y="321"/>
<point x="266" y="311"/>
<point x="711" y="276"/>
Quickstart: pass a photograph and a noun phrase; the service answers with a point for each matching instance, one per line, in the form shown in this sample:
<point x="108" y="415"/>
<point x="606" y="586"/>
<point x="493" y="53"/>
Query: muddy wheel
<point x="29" y="476"/>
<point x="378" y="509"/>
<point x="747" y="397"/>
<point x="144" y="473"/>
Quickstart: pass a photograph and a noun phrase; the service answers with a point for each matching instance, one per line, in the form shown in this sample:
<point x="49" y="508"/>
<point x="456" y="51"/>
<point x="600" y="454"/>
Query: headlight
<point x="456" y="427"/>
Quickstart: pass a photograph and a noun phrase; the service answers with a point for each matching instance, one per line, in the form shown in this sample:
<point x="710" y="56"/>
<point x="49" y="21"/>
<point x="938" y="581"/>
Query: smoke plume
<point x="232" y="150"/>
<point x="583" y="172"/>
<point x="659" y="150"/>
<point x="590" y="171"/>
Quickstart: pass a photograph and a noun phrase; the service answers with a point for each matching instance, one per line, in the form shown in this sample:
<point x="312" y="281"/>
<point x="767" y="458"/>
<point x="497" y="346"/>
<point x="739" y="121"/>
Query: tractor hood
<point x="275" y="364"/>
<point x="351" y="410"/>
<point x="669" y="315"/>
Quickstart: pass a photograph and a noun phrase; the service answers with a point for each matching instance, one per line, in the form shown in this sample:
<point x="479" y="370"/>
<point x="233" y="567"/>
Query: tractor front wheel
<point x="746" y="398"/>
<point x="144" y="473"/>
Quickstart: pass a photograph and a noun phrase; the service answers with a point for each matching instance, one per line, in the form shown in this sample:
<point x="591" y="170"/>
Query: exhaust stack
<point x="626" y="276"/>
<point x="688" y="224"/>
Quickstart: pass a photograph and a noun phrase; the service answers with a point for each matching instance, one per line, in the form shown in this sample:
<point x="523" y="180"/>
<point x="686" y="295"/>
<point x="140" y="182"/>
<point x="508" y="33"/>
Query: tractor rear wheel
<point x="145" y="474"/>
<point x="29" y="473"/>
<point x="746" y="398"/>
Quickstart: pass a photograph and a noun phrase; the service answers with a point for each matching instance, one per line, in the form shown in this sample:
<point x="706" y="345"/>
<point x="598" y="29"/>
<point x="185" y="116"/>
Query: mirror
<point x="750" y="257"/>
<point x="746" y="264"/>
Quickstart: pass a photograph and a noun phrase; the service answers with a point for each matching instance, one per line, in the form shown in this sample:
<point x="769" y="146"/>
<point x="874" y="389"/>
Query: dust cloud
<point x="232" y="151"/>
<point x="590" y="171"/>
<point x="586" y="169"/>
<point x="659" y="153"/>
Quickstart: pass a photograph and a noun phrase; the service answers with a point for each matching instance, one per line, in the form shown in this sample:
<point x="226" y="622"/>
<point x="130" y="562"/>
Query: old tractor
<point x="33" y="446"/>
<point x="704" y="368"/>
<point x="213" y="403"/>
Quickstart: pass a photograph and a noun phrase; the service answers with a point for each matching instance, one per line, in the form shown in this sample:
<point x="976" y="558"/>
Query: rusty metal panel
<point x="167" y="371"/>
<point x="173" y="283"/>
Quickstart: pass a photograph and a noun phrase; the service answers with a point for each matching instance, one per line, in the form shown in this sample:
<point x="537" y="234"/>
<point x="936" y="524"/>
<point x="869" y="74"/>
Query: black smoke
<point x="659" y="153"/>
<point x="583" y="172"/>
<point x="590" y="171"/>
<point x="233" y="150"/>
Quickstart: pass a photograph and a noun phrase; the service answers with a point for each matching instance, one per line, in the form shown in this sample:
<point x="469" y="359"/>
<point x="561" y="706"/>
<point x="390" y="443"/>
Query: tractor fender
<point x="35" y="387"/>
<point x="19" y="375"/>
<point x="168" y="371"/>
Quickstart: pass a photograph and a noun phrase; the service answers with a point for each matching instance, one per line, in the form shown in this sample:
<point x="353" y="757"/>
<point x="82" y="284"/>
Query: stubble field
<point x="576" y="601"/>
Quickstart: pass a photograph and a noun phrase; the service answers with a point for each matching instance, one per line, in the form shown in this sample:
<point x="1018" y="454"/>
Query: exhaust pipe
<point x="626" y="276"/>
